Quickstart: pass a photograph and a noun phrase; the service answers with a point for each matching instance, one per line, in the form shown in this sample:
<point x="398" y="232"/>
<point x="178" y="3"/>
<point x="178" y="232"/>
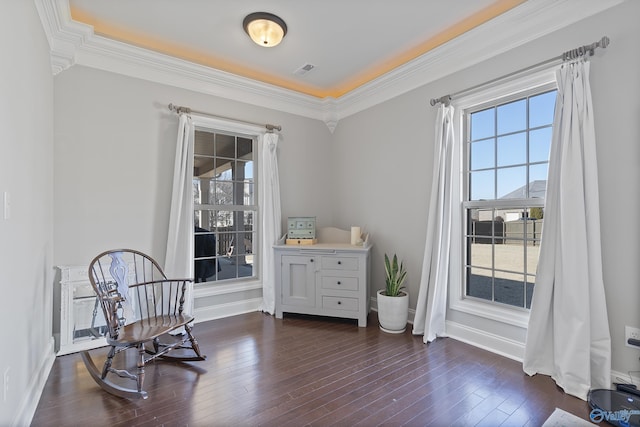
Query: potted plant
<point x="393" y="301"/>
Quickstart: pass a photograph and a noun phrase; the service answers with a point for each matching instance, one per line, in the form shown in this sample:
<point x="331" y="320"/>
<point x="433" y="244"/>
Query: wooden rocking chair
<point x="140" y="306"/>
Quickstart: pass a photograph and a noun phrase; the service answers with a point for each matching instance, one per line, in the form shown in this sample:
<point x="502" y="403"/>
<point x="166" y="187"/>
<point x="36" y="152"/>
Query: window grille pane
<point x="512" y="183"/>
<point x="225" y="146"/>
<point x="248" y="170"/>
<point x="241" y="244"/>
<point x="510" y="254"/>
<point x="203" y="166"/>
<point x="512" y="117"/>
<point x="223" y="170"/>
<point x="541" y="109"/>
<point x="483" y="124"/>
<point x="203" y="145"/>
<point x="480" y="254"/>
<point x="509" y="289"/>
<point x="226" y="237"/>
<point x="245" y="148"/>
<point x="481" y="225"/>
<point x="206" y="254"/>
<point x="202" y="191"/>
<point x="539" y="145"/>
<point x="480" y="283"/>
<point x="512" y="149"/>
<point x="223" y="193"/>
<point x="248" y="220"/>
<point x="538" y="180"/>
<point x="482" y="185"/>
<point x="483" y="154"/>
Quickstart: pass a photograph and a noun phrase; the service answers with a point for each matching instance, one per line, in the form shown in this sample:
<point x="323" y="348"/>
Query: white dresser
<point x="330" y="278"/>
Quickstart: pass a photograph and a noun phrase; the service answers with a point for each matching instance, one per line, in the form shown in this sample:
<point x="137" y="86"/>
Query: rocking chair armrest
<point x="159" y="281"/>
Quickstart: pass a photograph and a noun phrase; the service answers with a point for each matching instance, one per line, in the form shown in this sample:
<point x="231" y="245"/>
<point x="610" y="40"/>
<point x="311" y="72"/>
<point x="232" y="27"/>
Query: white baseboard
<point x="226" y="310"/>
<point x="621" y="377"/>
<point x="31" y="398"/>
<point x="486" y="341"/>
<point x="512" y="349"/>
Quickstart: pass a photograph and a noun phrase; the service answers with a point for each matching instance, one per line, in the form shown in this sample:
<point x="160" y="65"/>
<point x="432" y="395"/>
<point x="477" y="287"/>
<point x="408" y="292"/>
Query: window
<point x="506" y="155"/>
<point x="225" y="206"/>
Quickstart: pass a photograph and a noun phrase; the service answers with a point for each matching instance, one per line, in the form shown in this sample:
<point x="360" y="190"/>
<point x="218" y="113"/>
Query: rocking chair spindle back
<point x="141" y="306"/>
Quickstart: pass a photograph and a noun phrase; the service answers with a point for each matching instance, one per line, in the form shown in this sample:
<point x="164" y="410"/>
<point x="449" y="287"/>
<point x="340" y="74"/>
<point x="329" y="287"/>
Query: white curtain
<point x="179" y="258"/>
<point x="432" y="297"/>
<point x="568" y="334"/>
<point x="269" y="200"/>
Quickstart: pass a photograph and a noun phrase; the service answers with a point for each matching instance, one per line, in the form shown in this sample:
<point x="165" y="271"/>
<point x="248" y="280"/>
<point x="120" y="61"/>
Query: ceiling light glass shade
<point x="265" y="29"/>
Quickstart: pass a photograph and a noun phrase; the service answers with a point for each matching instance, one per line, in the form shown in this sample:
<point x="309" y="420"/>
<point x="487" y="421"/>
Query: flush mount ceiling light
<point x="265" y="29"/>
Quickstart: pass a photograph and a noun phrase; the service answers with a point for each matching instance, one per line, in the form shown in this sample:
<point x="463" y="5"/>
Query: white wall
<point x="115" y="143"/>
<point x="26" y="246"/>
<point x="388" y="188"/>
<point x="114" y="149"/>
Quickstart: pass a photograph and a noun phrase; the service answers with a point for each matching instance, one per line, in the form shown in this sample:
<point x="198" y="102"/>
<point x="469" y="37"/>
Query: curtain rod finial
<point x="446" y="100"/>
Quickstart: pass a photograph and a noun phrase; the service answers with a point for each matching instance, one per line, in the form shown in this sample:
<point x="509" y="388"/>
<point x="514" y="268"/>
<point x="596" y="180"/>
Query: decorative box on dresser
<point x="330" y="278"/>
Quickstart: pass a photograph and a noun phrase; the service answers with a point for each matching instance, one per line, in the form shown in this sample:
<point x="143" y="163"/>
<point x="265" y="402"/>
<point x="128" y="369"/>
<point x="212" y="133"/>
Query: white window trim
<point x="457" y="300"/>
<point x="250" y="131"/>
<point x="216" y="123"/>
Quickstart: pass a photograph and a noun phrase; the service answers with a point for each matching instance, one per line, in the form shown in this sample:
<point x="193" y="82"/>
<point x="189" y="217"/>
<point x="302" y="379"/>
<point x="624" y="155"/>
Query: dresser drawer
<point x="340" y="263"/>
<point x="340" y="303"/>
<point x="342" y="283"/>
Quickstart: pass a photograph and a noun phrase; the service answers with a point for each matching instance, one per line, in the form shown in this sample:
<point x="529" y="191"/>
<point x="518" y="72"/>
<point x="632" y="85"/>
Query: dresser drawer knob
<point x="339" y="302"/>
<point x="339" y="282"/>
<point x="339" y="262"/>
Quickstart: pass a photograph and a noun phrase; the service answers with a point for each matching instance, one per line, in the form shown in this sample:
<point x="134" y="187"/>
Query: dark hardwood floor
<point x="312" y="371"/>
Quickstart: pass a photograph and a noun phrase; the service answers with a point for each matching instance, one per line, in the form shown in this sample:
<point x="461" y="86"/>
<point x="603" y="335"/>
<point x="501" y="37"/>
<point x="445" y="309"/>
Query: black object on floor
<point x="616" y="407"/>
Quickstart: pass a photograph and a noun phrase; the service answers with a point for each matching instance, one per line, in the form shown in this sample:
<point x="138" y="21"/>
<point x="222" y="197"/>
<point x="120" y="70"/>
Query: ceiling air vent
<point x="304" y="69"/>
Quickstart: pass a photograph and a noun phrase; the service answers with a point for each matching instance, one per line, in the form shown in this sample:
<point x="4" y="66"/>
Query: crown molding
<point x="516" y="27"/>
<point x="105" y="54"/>
<point x="75" y="43"/>
<point x="65" y="36"/>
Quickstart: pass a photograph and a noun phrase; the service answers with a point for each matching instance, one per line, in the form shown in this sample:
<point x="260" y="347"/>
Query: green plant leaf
<point x="395" y="275"/>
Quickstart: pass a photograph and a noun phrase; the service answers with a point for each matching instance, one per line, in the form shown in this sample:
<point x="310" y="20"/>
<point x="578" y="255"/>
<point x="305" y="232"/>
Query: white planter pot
<point x="393" y="312"/>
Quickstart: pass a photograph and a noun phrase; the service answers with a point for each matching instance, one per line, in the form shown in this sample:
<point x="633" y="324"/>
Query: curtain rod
<point x="178" y="109"/>
<point x="566" y="56"/>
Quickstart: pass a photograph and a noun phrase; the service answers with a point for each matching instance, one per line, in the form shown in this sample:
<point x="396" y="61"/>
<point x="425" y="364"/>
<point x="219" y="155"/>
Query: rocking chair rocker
<point x="140" y="306"/>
